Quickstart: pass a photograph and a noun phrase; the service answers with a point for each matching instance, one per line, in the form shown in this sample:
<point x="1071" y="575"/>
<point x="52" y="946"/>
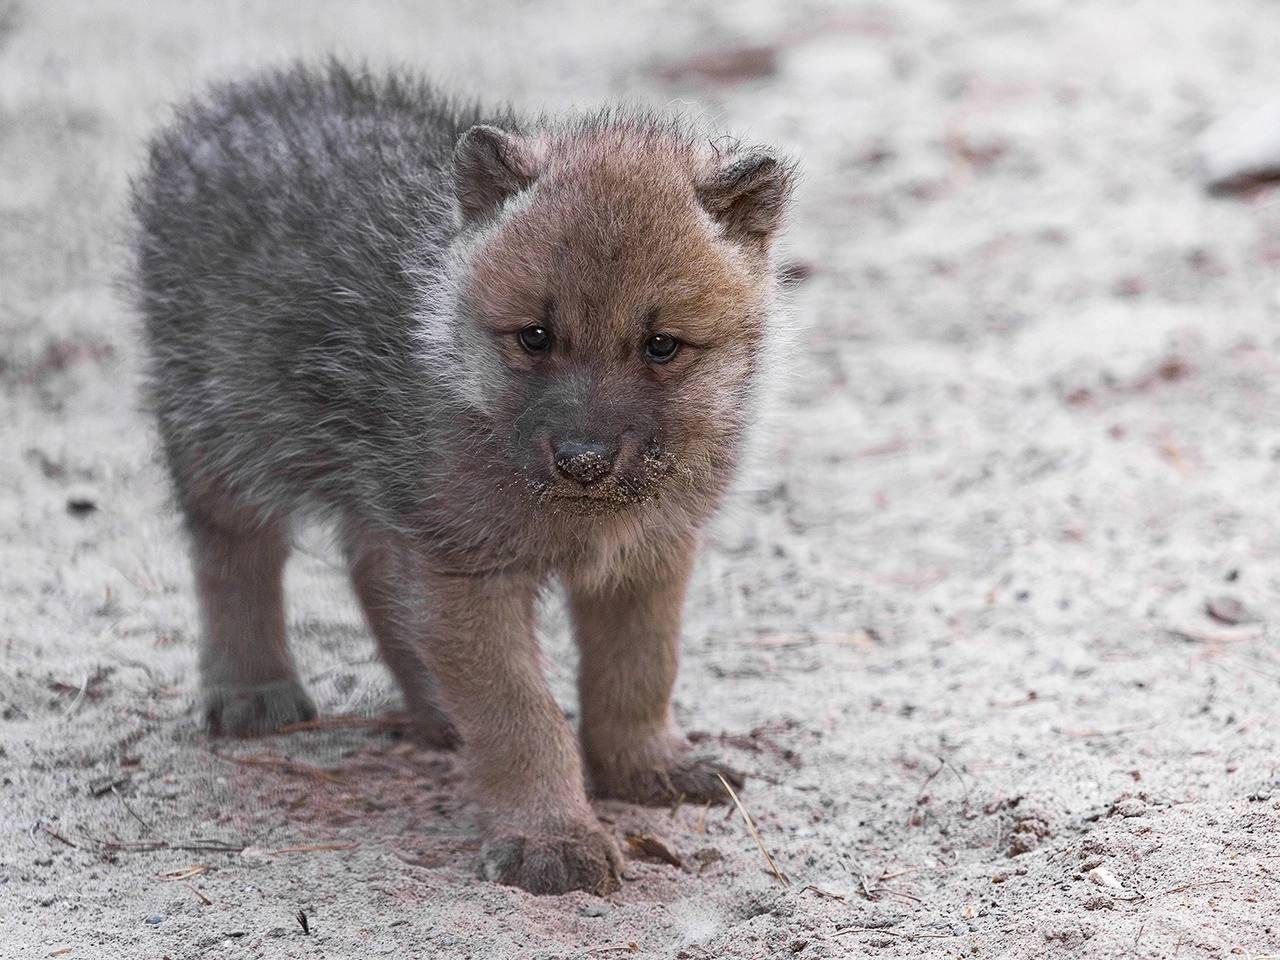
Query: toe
<point x="434" y="731"/>
<point x="256" y="710"/>
<point x="693" y="780"/>
<point x="584" y="858"/>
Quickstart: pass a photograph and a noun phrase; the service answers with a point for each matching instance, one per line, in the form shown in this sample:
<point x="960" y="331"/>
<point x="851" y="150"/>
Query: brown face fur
<point x="609" y="238"/>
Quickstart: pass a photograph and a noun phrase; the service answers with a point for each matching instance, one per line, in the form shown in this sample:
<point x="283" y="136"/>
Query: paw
<point x="581" y="857"/>
<point x="431" y="729"/>
<point x="687" y="779"/>
<point x="254" y="711"/>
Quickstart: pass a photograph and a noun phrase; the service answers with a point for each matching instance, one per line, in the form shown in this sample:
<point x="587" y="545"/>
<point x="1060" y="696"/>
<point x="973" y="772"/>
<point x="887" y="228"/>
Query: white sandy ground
<point x="954" y="628"/>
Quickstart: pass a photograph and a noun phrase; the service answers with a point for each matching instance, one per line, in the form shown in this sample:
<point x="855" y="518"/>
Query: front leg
<point x="628" y="632"/>
<point x="521" y="755"/>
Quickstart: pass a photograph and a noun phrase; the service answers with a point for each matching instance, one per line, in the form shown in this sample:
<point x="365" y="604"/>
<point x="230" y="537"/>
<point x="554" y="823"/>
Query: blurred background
<point x="988" y="623"/>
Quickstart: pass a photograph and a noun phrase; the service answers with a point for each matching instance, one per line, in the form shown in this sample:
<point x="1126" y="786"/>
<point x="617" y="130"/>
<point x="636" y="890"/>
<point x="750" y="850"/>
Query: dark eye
<point x="535" y="339"/>
<point x="660" y="348"/>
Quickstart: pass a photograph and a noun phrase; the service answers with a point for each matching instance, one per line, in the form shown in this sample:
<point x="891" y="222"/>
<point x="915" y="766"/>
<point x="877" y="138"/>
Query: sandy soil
<point x="955" y="626"/>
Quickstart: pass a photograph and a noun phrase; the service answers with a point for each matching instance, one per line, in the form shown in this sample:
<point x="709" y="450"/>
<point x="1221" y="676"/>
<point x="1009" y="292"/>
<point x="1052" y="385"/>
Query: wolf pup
<point x="490" y="354"/>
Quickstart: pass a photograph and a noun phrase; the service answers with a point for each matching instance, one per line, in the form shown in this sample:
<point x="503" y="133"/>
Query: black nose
<point x="583" y="462"/>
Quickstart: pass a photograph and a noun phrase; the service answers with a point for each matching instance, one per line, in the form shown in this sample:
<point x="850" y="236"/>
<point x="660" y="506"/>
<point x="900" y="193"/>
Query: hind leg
<point x="247" y="676"/>
<point x="381" y="577"/>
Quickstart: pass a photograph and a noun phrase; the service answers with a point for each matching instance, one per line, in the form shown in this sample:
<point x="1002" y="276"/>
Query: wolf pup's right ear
<point x="748" y="196"/>
<point x="489" y="165"/>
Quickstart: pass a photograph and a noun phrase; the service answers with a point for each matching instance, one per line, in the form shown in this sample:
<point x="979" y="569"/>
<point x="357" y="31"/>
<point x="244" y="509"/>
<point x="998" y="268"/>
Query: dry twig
<point x="313" y="848"/>
<point x="79" y="698"/>
<point x="57" y="836"/>
<point x="133" y="813"/>
<point x="909" y="934"/>
<point x="186" y="873"/>
<point x="349" y="722"/>
<point x="825" y="894"/>
<point x="284" y="765"/>
<point x="150" y="846"/>
<point x="755" y="834"/>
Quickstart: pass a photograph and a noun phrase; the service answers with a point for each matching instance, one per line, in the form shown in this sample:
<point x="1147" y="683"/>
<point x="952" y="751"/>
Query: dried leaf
<point x="646" y="845"/>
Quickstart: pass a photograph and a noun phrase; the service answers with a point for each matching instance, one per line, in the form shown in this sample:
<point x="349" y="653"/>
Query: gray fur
<point x="279" y="223"/>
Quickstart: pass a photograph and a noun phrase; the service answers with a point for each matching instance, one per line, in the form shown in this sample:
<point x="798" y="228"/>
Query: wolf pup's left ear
<point x="748" y="196"/>
<point x="489" y="165"/>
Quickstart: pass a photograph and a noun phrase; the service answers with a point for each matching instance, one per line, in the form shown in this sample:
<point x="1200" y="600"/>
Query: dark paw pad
<point x="581" y="858"/>
<point x="254" y="711"/>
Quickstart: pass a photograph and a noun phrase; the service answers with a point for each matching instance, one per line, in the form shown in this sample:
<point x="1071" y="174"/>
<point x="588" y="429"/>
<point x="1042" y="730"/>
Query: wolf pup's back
<point x="278" y="223"/>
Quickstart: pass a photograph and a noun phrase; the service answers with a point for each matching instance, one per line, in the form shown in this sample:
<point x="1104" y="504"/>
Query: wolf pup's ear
<point x="748" y="195"/>
<point x="489" y="165"/>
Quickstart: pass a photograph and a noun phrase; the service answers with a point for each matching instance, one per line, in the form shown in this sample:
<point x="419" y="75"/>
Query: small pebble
<point x="1229" y="610"/>
<point x="1131" y="807"/>
<point x="154" y="919"/>
<point x="1104" y="878"/>
<point x="81" y="504"/>
<point x="1242" y="149"/>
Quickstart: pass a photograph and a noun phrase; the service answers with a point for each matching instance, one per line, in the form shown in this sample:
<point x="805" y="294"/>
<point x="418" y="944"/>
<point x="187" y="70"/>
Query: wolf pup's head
<point x="612" y="291"/>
